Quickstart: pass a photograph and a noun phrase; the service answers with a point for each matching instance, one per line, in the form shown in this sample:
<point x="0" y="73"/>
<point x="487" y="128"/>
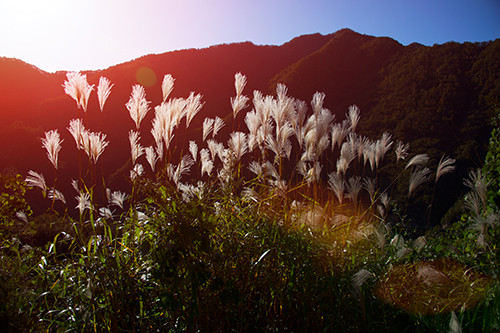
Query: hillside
<point x="439" y="99"/>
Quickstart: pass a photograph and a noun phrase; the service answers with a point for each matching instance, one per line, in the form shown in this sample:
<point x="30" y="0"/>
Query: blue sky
<point x="95" y="34"/>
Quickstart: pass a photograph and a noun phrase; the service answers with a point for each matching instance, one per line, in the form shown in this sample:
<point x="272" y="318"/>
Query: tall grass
<point x="286" y="227"/>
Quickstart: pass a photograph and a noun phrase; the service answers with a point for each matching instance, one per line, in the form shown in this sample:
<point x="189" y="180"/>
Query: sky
<point x="76" y="35"/>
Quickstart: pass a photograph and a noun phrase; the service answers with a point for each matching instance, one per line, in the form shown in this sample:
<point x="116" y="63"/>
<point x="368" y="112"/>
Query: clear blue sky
<point x="95" y="34"/>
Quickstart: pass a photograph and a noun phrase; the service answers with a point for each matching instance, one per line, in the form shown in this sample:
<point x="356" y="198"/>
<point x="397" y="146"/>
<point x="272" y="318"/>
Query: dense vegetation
<point x="300" y="224"/>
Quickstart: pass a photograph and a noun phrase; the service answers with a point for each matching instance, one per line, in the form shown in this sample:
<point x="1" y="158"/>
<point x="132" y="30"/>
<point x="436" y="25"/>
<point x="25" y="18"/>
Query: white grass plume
<point x="35" y="179"/>
<point x="218" y="124"/>
<point x="136" y="150"/>
<point x="353" y="116"/>
<point x="193" y="106"/>
<point x="401" y="151"/>
<point x="238" y="143"/>
<point x="208" y="126"/>
<point x="354" y="186"/>
<point x="417" y="160"/>
<point x="78" y="88"/>
<point x="478" y="187"/>
<point x="94" y="145"/>
<point x="77" y="130"/>
<point x="167" y="86"/>
<point x="137" y="105"/>
<point x="55" y="194"/>
<point x="240" y="101"/>
<point x="207" y="164"/>
<point x="117" y="198"/>
<point x="137" y="171"/>
<point x="52" y="143"/>
<point x="151" y="157"/>
<point x="103" y="91"/>
<point x="418" y="177"/>
<point x="84" y="203"/>
<point x="193" y="149"/>
<point x="445" y="166"/>
<point x="337" y="185"/>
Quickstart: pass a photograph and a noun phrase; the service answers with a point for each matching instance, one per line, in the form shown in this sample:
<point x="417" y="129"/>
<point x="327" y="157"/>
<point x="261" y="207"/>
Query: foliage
<point x="268" y="249"/>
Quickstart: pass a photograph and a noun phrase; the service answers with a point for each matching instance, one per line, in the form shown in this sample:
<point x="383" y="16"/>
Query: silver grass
<point x="183" y="168"/>
<point x="385" y="200"/>
<point x="193" y="149"/>
<point x="271" y="170"/>
<point x="105" y="212"/>
<point x="136" y="150"/>
<point x="338" y="135"/>
<point x="84" y="203"/>
<point x="253" y="121"/>
<point x="360" y="277"/>
<point x="353" y="116"/>
<point x="353" y="188"/>
<point x="239" y="102"/>
<point x="74" y="184"/>
<point x="370" y="154"/>
<point x="256" y="168"/>
<point x="35" y="179"/>
<point x="167" y="86"/>
<point x="382" y="147"/>
<point x="215" y="149"/>
<point x="218" y="124"/>
<point x="370" y="185"/>
<point x="137" y="105"/>
<point x="337" y="185"/>
<point x="455" y="326"/>
<point x="52" y="143"/>
<point x="317" y="102"/>
<point x="479" y="185"/>
<point x="193" y="106"/>
<point x="77" y="130"/>
<point x="55" y="194"/>
<point x="401" y="151"/>
<point x="445" y="166"/>
<point x="314" y="173"/>
<point x="21" y="215"/>
<point x="208" y="125"/>
<point x="151" y="157"/>
<point x="96" y="145"/>
<point x="206" y="163"/>
<point x="249" y="194"/>
<point x="417" y="160"/>
<point x="103" y="91"/>
<point x="136" y="171"/>
<point x="78" y="88"/>
<point x="418" y="177"/>
<point x="238" y="143"/>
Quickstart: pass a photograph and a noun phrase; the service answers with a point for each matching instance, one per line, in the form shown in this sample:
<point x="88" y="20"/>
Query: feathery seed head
<point x="418" y="177"/>
<point x="193" y="149"/>
<point x="418" y="160"/>
<point x="136" y="150"/>
<point x="353" y="116"/>
<point x="78" y="88"/>
<point x="193" y="106"/>
<point x="103" y="91"/>
<point x="151" y="157"/>
<point x="52" y="142"/>
<point x="401" y="151"/>
<point x="137" y="105"/>
<point x="218" y="124"/>
<point x="77" y="130"/>
<point x="35" y="179"/>
<point x="208" y="125"/>
<point x="167" y="86"/>
<point x="445" y="166"/>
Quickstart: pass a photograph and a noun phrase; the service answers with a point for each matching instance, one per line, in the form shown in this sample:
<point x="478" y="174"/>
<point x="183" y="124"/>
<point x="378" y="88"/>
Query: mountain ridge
<point x="397" y="88"/>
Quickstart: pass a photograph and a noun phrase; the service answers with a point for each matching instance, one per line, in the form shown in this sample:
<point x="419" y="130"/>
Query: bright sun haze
<point x="95" y="34"/>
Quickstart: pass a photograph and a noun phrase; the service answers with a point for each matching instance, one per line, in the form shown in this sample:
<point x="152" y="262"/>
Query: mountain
<point x="439" y="99"/>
